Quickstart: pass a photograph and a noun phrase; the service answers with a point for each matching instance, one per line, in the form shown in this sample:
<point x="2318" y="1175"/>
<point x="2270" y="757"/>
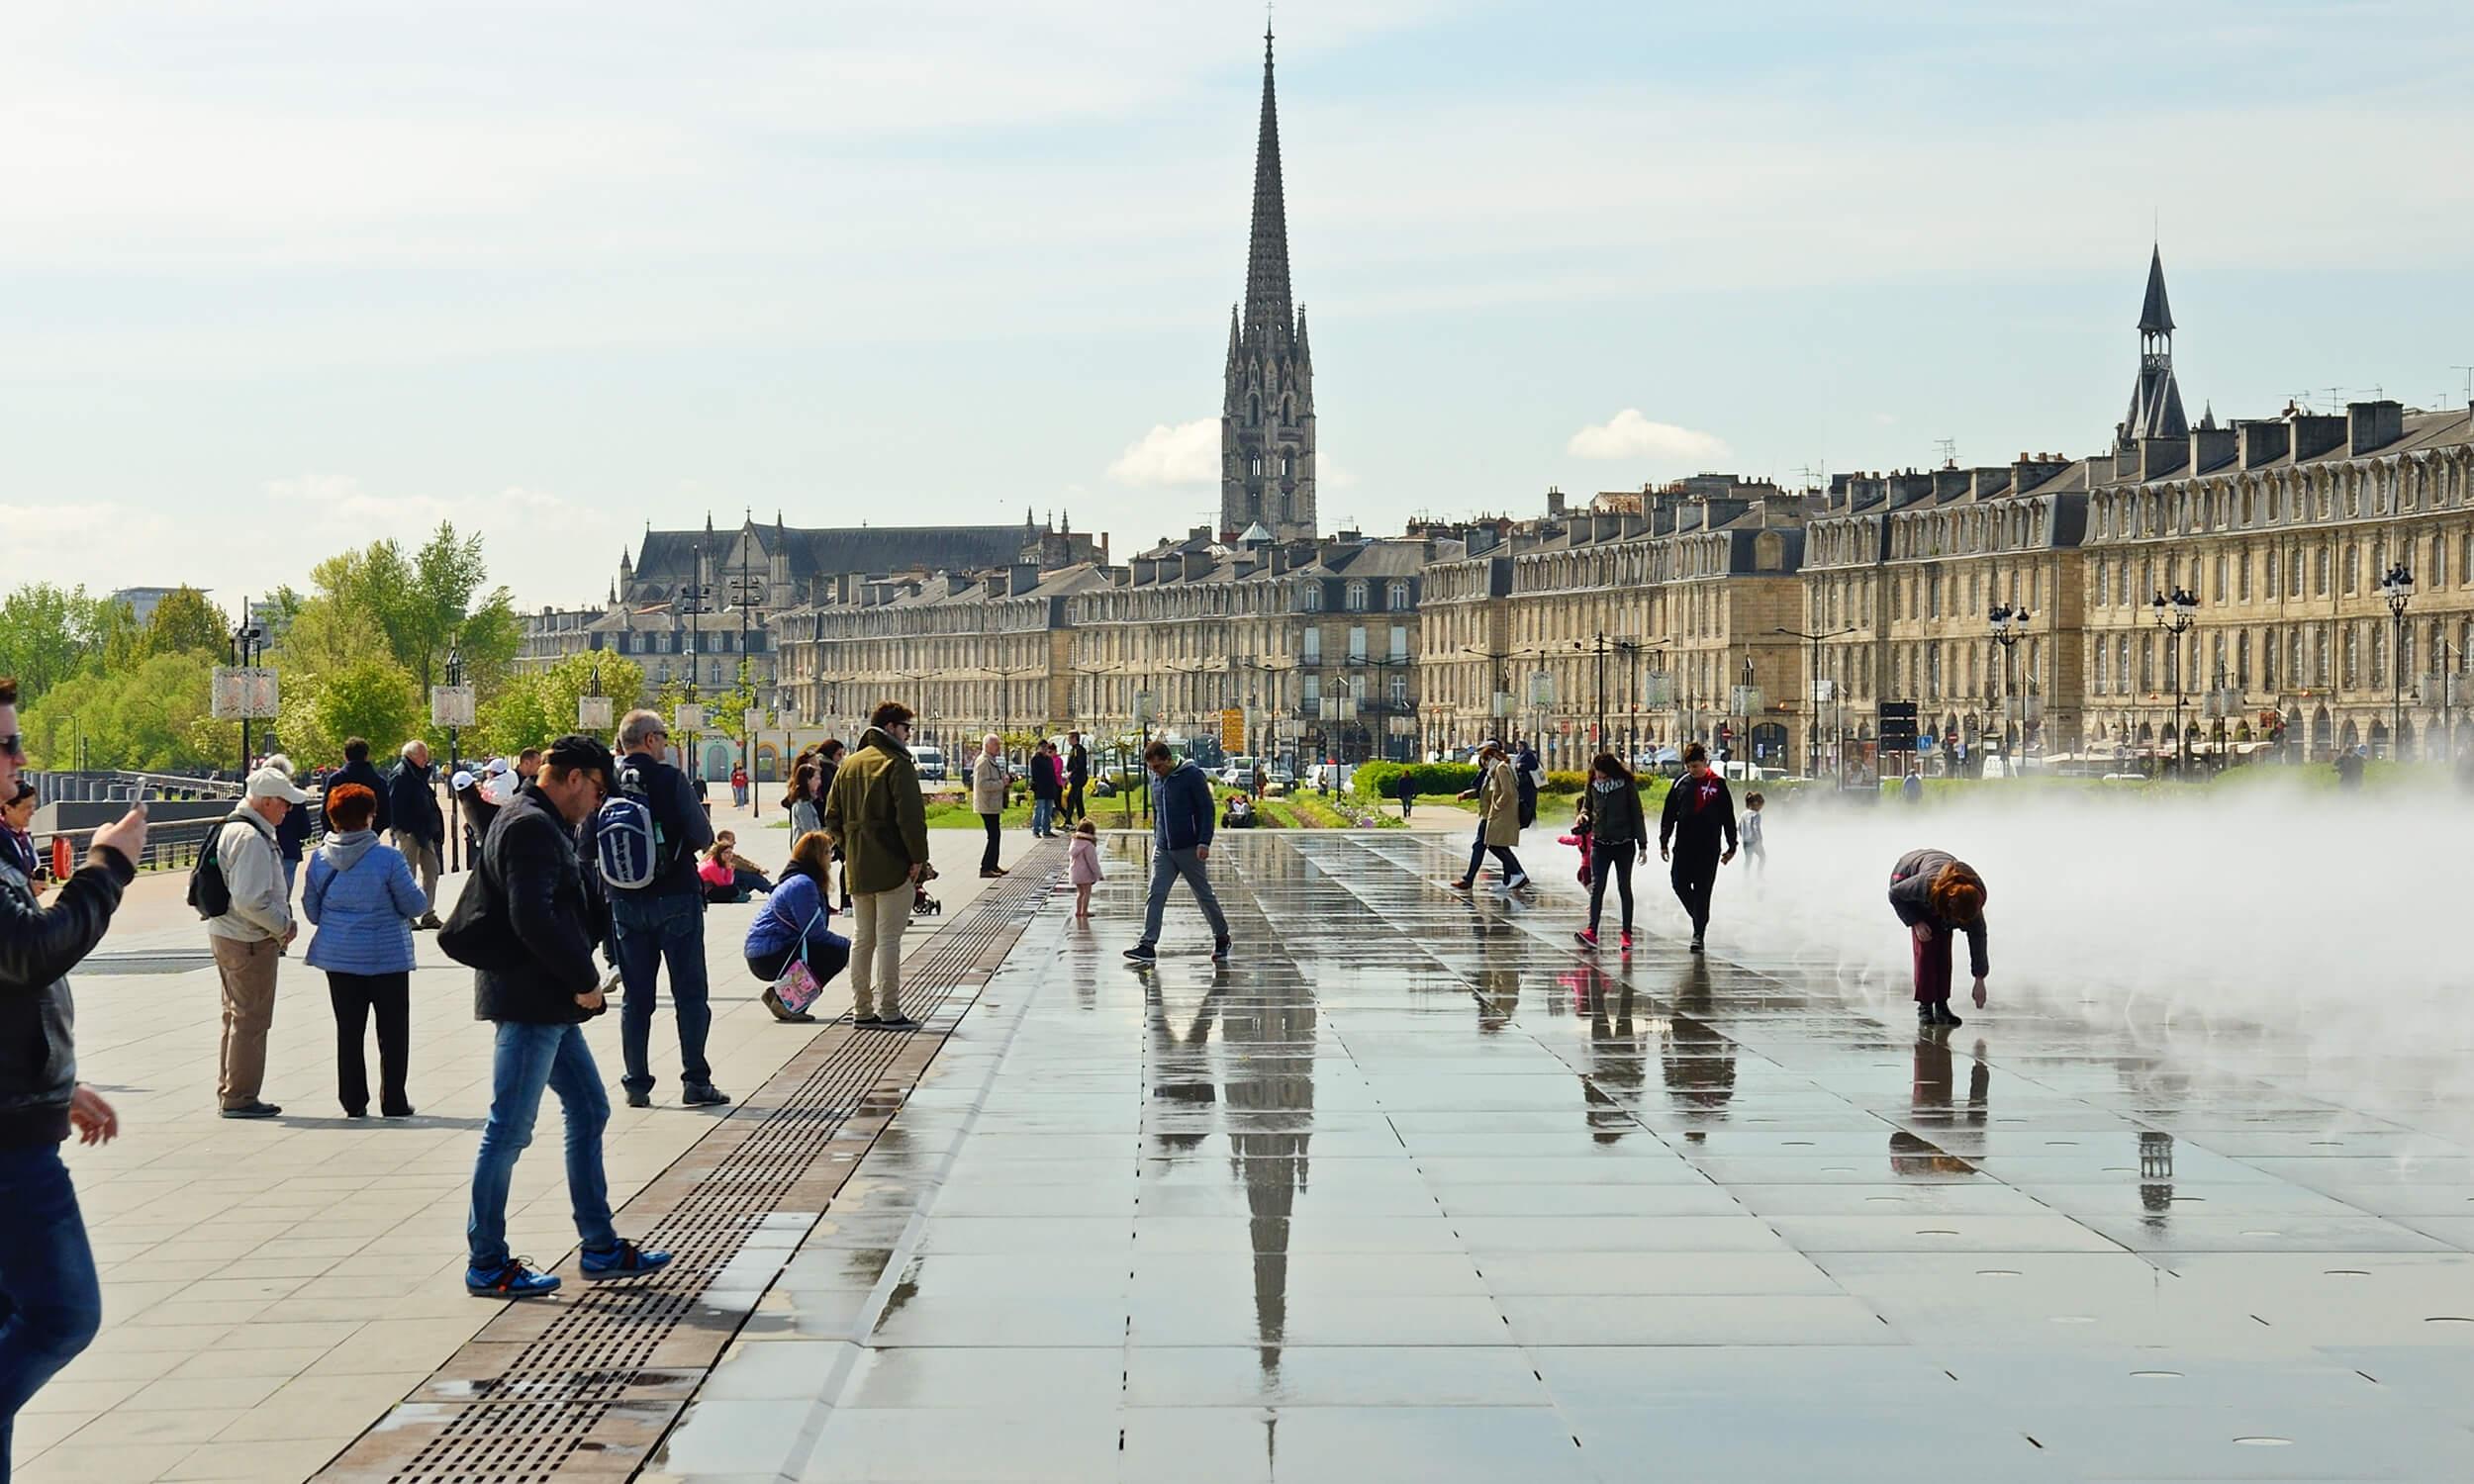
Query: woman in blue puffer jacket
<point x="363" y="899"/>
<point x="796" y="924"/>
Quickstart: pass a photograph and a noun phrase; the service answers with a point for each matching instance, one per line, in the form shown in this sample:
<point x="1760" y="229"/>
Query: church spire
<point x="1266" y="253"/>
<point x="2156" y="317"/>
<point x="2156" y="398"/>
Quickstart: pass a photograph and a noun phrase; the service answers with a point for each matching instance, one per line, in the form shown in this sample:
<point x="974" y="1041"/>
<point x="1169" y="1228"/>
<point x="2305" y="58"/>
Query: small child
<point x="1751" y="828"/>
<point x="1579" y="839"/>
<point x="1083" y="860"/>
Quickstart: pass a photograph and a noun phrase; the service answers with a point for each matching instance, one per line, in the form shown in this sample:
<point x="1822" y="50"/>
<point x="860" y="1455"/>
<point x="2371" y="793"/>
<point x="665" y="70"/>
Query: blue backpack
<point x="628" y="842"/>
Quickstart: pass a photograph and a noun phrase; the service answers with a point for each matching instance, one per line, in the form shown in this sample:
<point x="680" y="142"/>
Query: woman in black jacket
<point x="1618" y="833"/>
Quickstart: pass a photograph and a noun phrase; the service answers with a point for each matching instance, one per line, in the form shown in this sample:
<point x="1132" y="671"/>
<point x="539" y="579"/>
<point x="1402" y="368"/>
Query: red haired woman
<point x="1937" y="895"/>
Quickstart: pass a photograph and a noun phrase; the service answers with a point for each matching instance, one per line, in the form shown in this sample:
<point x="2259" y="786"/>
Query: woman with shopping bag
<point x="790" y="945"/>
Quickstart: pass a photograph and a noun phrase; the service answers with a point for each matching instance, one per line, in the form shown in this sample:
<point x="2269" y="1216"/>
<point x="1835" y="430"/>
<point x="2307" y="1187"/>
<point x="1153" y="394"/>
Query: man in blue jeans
<point x="663" y="921"/>
<point x="1180" y="845"/>
<point x="50" y="1304"/>
<point x="536" y="920"/>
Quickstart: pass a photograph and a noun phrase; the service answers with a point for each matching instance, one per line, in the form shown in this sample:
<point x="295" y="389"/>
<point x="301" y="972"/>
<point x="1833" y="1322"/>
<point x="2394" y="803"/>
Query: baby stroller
<point x="922" y="904"/>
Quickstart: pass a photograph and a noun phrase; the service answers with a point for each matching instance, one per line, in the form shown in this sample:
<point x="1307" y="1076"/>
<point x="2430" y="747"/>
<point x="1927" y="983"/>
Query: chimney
<point x="1022" y="577"/>
<point x="2373" y="424"/>
<point x="2158" y="458"/>
<point x="2316" y="433"/>
<point x="1987" y="481"/>
<point x="1198" y="565"/>
<point x="2263" y="440"/>
<point x="997" y="581"/>
<point x="2212" y="448"/>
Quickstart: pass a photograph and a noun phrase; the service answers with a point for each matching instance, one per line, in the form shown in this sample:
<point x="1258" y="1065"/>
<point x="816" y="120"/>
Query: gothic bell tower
<point x="1267" y="413"/>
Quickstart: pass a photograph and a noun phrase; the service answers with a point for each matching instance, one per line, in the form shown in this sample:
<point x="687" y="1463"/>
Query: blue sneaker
<point x="517" y="1280"/>
<point x="626" y="1260"/>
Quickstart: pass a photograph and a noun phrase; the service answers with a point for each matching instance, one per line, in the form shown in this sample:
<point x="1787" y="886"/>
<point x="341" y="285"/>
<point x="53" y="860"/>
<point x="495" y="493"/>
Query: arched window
<point x="1356" y="595"/>
<point x="1310" y="597"/>
<point x="1396" y="596"/>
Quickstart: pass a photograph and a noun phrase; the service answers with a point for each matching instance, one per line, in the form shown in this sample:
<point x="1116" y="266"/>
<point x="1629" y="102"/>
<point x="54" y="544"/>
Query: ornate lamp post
<point x="2008" y="623"/>
<point x="2397" y="587"/>
<point x="2174" y="616"/>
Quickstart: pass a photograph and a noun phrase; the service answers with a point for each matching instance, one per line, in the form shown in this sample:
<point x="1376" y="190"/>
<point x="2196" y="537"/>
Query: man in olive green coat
<point x="873" y="811"/>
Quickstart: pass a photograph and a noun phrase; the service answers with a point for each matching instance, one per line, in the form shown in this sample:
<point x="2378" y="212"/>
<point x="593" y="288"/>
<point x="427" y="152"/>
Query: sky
<point x="279" y="277"/>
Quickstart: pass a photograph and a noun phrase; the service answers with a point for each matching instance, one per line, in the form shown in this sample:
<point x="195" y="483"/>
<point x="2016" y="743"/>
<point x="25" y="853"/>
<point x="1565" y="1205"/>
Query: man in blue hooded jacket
<point x="1181" y="844"/>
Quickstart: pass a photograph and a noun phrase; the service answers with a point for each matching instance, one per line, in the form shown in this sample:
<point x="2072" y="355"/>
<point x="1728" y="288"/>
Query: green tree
<point x="532" y="709"/>
<point x="154" y="717"/>
<point x="116" y="640"/>
<point x="371" y="697"/>
<point x="45" y="634"/>
<point x="184" y="623"/>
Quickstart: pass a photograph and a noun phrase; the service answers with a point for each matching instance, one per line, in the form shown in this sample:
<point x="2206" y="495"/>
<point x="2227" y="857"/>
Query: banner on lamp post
<point x="451" y="706"/>
<point x="691" y="717"/>
<point x="593" y="713"/>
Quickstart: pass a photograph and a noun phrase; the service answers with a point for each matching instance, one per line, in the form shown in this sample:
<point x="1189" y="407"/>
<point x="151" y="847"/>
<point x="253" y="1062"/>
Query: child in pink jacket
<point x="1579" y="839"/>
<point x="1082" y="858"/>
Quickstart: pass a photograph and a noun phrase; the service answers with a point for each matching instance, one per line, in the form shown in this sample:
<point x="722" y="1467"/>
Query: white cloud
<point x="1166" y="457"/>
<point x="1629" y="435"/>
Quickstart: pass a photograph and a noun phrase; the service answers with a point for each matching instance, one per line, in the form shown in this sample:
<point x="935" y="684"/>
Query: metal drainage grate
<point x="588" y="1383"/>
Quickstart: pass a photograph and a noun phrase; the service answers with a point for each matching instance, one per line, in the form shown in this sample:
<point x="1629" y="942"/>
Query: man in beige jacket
<point x="252" y="935"/>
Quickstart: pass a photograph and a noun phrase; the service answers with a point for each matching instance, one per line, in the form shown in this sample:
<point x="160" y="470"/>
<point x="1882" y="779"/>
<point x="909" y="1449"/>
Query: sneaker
<point x="1697" y="943"/>
<point x="639" y="1098"/>
<point x="429" y="920"/>
<point x="1219" y="950"/>
<point x="1519" y="879"/>
<point x="898" y="1023"/>
<point x="252" y="1110"/>
<point x="703" y="1095"/>
<point x="1627" y="939"/>
<point x="626" y="1260"/>
<point x="1143" y="953"/>
<point x="516" y="1280"/>
<point x="1588" y="937"/>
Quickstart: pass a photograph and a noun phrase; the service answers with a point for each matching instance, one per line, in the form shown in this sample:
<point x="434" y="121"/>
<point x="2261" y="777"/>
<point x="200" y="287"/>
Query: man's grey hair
<point x="638" y="727"/>
<point x="406" y="752"/>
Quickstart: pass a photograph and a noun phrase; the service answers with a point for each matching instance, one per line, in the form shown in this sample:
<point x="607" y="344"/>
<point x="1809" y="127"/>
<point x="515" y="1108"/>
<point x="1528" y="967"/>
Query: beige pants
<point x="248" y="973"/>
<point x="423" y="856"/>
<point x="875" y="949"/>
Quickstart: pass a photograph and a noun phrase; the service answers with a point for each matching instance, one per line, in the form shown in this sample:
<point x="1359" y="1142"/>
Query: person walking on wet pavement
<point x="1498" y="795"/>
<point x="877" y="817"/>
<point x="989" y="783"/>
<point x="1618" y="832"/>
<point x="1937" y="895"/>
<point x="531" y="934"/>
<point x="1180" y="846"/>
<point x="1699" y="814"/>
<point x="1077" y="776"/>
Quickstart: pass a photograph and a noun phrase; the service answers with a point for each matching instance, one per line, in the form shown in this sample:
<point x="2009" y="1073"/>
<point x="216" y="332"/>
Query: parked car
<point x="930" y="763"/>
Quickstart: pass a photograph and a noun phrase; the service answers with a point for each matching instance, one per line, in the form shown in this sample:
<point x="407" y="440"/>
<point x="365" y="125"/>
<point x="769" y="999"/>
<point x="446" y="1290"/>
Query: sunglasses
<point x="14" y="745"/>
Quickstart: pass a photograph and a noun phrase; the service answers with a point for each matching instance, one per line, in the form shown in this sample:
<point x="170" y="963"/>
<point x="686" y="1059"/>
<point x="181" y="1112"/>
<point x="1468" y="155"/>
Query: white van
<point x="931" y="762"/>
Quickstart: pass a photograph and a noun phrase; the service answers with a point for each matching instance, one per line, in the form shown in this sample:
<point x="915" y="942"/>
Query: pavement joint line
<point x="567" y="1393"/>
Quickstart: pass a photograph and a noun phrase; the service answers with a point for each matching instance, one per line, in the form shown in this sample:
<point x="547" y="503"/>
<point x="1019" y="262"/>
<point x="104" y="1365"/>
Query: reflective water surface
<point x="1415" y="1189"/>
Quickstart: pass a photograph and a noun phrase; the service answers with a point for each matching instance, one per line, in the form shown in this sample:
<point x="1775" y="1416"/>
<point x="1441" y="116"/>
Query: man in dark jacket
<point x="663" y="921"/>
<point x="537" y="910"/>
<point x="410" y="802"/>
<point x="1077" y="776"/>
<point x="50" y="1304"/>
<point x="1699" y="813"/>
<point x="358" y="768"/>
<point x="1180" y="845"/>
<point x="1525" y="766"/>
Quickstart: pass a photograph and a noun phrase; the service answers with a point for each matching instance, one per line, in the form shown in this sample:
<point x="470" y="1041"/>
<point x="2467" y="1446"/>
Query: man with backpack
<point x="238" y="888"/>
<point x="527" y="925"/>
<point x="646" y="838"/>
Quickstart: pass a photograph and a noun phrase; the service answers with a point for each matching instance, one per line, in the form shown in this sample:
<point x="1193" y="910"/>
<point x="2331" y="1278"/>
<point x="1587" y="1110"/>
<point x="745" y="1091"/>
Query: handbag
<point x="798" y="984"/>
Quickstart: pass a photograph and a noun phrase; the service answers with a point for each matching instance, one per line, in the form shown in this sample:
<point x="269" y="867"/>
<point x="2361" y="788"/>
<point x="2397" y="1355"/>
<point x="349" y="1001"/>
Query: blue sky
<point x="280" y="275"/>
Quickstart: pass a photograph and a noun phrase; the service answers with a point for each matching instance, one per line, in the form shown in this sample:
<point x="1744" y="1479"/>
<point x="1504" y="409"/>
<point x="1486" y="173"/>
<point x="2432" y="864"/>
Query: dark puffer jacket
<point x="536" y="891"/>
<point x="39" y="946"/>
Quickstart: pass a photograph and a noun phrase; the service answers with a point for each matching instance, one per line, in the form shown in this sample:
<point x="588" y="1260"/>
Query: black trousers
<point x="1072" y="802"/>
<point x="987" y="856"/>
<point x="1694" y="873"/>
<point x="1611" y="857"/>
<point x="354" y="996"/>
<point x="1477" y="856"/>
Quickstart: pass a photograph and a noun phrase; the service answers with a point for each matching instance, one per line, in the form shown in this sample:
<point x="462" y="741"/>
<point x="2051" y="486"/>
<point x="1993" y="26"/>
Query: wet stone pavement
<point x="1415" y="1190"/>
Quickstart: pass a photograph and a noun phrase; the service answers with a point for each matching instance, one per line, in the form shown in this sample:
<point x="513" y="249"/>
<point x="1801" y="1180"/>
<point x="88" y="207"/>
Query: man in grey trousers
<point x="1180" y="845"/>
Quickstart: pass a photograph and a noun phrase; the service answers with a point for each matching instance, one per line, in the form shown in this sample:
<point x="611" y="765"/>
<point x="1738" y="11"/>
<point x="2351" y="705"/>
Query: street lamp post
<point x="1812" y="697"/>
<point x="246" y="641"/>
<point x="2008" y="623"/>
<point x="2397" y="587"/>
<point x="2174" y="617"/>
<point x="454" y="803"/>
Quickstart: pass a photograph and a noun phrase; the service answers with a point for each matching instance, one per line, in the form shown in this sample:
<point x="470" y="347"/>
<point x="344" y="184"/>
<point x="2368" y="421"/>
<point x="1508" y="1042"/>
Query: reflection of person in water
<point x="1937" y="895"/>
<point x="1180" y="1069"/>
<point x="1955" y="1131"/>
<point x="1697" y="1062"/>
<point x="1610" y="1087"/>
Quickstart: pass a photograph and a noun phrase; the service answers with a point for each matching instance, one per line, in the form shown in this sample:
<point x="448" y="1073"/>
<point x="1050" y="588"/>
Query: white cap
<point x="461" y="780"/>
<point x="274" y="783"/>
<point x="497" y="767"/>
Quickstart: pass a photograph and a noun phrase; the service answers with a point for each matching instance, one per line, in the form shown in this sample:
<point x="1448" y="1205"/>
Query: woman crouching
<point x="1937" y="895"/>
